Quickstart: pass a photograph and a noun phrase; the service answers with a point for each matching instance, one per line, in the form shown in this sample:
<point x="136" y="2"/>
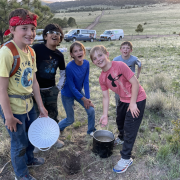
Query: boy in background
<point x="131" y="61"/>
<point x="16" y="101"/>
<point x="120" y="79"/>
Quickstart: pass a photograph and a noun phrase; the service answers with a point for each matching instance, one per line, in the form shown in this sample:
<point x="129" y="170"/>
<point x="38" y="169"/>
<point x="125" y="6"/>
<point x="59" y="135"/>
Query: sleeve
<point x="126" y="71"/>
<point x="86" y="82"/>
<point x="62" y="68"/>
<point x="138" y="62"/>
<point x="103" y="85"/>
<point x="6" y="61"/>
<point x="62" y="65"/>
<point x="62" y="79"/>
<point x="70" y="82"/>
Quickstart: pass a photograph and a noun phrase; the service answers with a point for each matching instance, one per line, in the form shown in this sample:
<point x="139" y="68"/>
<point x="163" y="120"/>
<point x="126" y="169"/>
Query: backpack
<point x="16" y="57"/>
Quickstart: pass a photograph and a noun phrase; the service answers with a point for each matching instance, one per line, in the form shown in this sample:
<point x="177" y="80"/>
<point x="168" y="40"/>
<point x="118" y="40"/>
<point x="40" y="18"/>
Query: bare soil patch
<point x="75" y="161"/>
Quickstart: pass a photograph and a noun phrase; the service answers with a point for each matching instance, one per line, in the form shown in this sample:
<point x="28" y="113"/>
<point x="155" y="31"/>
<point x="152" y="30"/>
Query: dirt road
<point x="131" y="37"/>
<point x="95" y="22"/>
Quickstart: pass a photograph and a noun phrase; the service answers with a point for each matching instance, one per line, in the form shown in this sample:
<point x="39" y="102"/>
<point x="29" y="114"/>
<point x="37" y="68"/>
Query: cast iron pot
<point x="101" y="148"/>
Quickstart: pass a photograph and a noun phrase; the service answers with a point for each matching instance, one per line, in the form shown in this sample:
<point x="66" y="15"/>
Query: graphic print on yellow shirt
<point x="21" y="82"/>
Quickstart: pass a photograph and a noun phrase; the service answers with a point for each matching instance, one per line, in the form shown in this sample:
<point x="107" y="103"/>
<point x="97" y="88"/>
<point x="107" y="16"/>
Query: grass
<point x="158" y="19"/>
<point x="160" y="77"/>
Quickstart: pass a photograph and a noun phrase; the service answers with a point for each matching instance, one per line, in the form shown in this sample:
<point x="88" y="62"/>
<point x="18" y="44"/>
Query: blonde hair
<point x="97" y="48"/>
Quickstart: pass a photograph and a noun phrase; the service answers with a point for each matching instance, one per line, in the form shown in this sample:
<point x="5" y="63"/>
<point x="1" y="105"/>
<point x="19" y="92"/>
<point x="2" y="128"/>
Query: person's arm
<point x="86" y="83"/>
<point x="135" y="89"/>
<point x="37" y="96"/>
<point x="10" y="120"/>
<point x="87" y="102"/>
<point x="139" y="71"/>
<point x="139" y="64"/>
<point x="62" y="79"/>
<point x="62" y="68"/>
<point x="104" y="117"/>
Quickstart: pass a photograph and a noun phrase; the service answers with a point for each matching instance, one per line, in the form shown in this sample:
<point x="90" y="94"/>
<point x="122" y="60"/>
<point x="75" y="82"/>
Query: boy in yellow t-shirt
<point x="16" y="92"/>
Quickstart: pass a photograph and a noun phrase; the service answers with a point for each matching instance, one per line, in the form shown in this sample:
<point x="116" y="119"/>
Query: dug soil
<point x="75" y="161"/>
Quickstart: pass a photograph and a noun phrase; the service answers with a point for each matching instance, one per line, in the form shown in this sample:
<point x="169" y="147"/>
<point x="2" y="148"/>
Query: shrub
<point x="163" y="154"/>
<point x="76" y="124"/>
<point x="175" y="141"/>
<point x="162" y="104"/>
<point x="71" y="22"/>
<point x="159" y="81"/>
<point x="156" y="102"/>
<point x="139" y="28"/>
<point x="158" y="129"/>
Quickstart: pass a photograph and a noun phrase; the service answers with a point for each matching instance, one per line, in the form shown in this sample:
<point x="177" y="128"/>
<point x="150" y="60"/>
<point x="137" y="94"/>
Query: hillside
<point x="77" y="3"/>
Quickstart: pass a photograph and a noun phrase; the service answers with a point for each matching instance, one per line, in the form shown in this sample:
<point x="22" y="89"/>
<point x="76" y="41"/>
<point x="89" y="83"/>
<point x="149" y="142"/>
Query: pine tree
<point x="71" y="22"/>
<point x="6" y="6"/>
<point x="139" y="28"/>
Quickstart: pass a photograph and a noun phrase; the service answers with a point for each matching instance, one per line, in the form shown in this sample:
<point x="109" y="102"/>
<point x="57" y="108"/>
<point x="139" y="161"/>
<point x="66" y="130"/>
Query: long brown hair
<point x="77" y="43"/>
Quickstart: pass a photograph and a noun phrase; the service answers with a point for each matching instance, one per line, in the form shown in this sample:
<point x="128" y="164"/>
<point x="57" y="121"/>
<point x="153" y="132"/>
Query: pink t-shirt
<point x="117" y="79"/>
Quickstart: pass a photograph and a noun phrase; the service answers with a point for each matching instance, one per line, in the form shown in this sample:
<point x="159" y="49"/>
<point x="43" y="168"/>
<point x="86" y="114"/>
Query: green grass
<point x="159" y="19"/>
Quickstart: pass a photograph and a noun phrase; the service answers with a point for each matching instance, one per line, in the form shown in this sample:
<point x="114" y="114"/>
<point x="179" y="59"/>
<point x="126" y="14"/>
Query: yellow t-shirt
<point x="21" y="82"/>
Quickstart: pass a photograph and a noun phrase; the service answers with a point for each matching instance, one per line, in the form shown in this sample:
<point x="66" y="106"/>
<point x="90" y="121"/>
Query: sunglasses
<point x="54" y="32"/>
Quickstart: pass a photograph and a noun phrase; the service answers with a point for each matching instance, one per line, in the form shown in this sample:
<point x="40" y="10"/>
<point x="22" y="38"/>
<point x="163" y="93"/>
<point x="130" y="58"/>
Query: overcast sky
<point x="57" y="0"/>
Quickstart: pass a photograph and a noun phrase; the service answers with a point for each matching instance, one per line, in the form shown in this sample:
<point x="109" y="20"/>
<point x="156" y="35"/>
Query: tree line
<point x="81" y="9"/>
<point x="72" y="4"/>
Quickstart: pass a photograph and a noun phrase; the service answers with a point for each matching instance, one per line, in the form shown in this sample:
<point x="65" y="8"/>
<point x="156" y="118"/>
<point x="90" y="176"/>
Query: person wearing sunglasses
<point x="48" y="59"/>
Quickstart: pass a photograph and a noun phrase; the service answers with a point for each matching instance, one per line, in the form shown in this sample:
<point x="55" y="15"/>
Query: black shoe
<point x="37" y="162"/>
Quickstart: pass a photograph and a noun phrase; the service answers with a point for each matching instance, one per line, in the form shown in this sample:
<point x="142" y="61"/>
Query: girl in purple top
<point x="77" y="77"/>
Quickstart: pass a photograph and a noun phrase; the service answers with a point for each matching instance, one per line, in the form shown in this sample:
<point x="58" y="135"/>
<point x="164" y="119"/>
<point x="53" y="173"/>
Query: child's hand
<point x="91" y="104"/>
<point x="103" y="120"/>
<point x="86" y="103"/>
<point x="43" y="112"/>
<point x="134" y="110"/>
<point x="11" y="123"/>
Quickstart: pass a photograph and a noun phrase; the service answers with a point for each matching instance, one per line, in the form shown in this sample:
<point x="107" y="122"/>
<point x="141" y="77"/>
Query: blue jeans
<point x="68" y="103"/>
<point x="21" y="148"/>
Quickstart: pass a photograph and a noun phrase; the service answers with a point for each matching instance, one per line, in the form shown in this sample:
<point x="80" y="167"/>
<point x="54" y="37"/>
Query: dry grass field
<point x="156" y="151"/>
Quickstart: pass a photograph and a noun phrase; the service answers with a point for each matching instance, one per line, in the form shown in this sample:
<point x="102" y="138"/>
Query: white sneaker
<point x="122" y="165"/>
<point x="36" y="150"/>
<point x="59" y="144"/>
<point x="118" y="141"/>
<point x="91" y="134"/>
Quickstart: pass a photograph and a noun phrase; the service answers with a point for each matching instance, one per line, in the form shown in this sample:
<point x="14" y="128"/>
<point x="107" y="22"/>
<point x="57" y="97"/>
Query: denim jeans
<point x="68" y="103"/>
<point x="21" y="148"/>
